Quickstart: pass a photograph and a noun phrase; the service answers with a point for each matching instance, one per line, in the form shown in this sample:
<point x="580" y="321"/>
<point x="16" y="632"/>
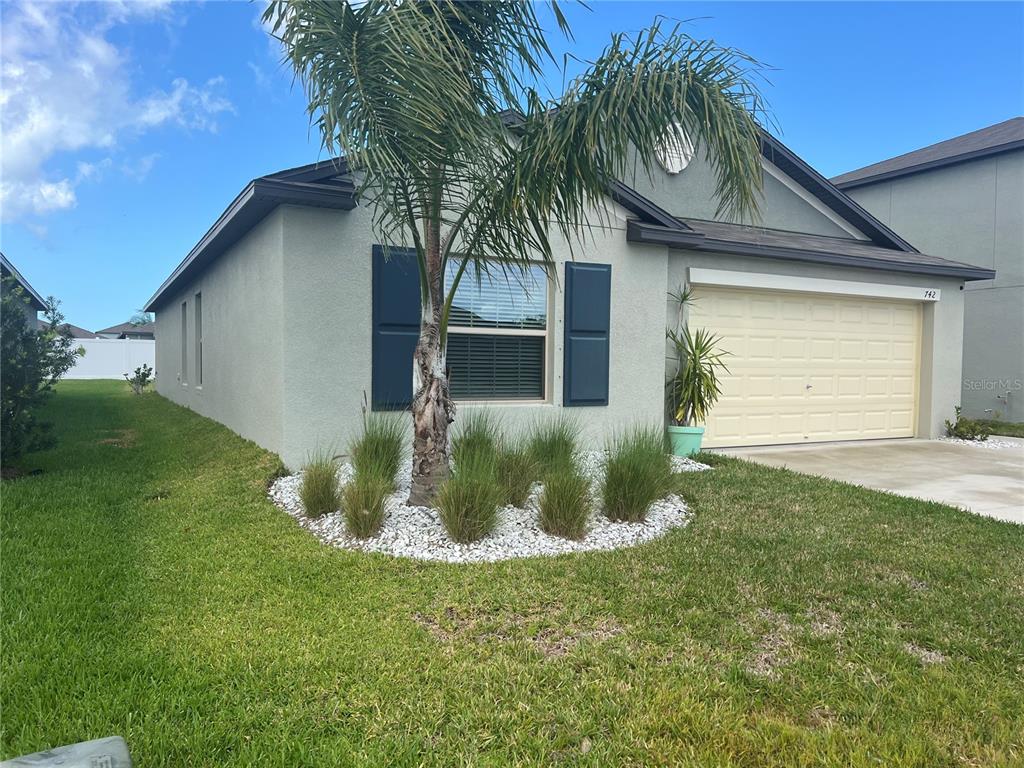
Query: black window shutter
<point x="587" y="327"/>
<point x="396" y="327"/>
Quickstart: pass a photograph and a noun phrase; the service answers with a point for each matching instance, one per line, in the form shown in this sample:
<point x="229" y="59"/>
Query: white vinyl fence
<point x="111" y="358"/>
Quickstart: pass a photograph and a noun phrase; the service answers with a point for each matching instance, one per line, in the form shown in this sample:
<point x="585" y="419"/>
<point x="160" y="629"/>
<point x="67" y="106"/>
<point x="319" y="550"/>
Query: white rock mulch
<point x="417" y="532"/>
<point x="993" y="443"/>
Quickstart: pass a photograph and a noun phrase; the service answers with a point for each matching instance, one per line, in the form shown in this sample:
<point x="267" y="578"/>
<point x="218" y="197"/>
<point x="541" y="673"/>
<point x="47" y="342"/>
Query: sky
<point x="126" y="128"/>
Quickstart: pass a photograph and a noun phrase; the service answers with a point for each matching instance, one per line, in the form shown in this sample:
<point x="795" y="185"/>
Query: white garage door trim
<point x="730" y="279"/>
<point x="811" y="367"/>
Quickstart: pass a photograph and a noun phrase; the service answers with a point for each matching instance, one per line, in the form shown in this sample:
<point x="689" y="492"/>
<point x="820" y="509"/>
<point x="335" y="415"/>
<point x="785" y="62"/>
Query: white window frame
<point x="183" y="374"/>
<point x="459" y="330"/>
<point x="197" y="311"/>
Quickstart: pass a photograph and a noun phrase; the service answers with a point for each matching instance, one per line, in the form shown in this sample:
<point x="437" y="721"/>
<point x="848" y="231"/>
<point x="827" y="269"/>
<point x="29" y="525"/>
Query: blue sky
<point x="127" y="127"/>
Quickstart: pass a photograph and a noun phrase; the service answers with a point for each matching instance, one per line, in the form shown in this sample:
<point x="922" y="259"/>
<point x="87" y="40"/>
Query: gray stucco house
<point x="963" y="199"/>
<point x="287" y="311"/>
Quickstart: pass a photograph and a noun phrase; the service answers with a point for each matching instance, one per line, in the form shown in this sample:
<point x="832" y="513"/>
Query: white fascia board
<point x="759" y="280"/>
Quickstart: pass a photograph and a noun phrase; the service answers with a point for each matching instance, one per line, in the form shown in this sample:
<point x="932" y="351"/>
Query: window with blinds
<point x="497" y="334"/>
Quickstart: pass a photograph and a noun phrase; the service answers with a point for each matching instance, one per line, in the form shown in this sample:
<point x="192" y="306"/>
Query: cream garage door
<point x="810" y="367"/>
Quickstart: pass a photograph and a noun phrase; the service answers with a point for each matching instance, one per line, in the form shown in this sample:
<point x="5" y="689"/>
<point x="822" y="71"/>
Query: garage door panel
<point x="807" y="368"/>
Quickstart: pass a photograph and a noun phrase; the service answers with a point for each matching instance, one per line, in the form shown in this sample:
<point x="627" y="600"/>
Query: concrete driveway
<point x="988" y="481"/>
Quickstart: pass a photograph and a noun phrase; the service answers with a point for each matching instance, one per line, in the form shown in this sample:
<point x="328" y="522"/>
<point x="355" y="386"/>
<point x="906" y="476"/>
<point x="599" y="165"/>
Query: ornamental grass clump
<point x="377" y="452"/>
<point x="468" y="501"/>
<point x="553" y="444"/>
<point x="477" y="439"/>
<point x="565" y="502"/>
<point x="319" y="491"/>
<point x="638" y="472"/>
<point x="517" y="472"/>
<point x="363" y="503"/>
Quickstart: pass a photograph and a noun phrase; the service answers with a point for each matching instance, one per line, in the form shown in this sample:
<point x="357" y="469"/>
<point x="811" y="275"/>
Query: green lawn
<point x="1008" y="428"/>
<point x="149" y="589"/>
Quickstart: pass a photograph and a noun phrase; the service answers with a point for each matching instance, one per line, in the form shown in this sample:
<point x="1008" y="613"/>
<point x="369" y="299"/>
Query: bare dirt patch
<point x="825" y="622"/>
<point x="775" y="648"/>
<point x="120" y="438"/>
<point x="925" y="655"/>
<point x="550" y="639"/>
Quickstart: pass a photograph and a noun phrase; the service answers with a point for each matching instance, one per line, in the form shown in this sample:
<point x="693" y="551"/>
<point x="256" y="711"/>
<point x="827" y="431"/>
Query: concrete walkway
<point x="987" y="481"/>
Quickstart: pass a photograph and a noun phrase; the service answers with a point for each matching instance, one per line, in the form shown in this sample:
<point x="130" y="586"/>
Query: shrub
<point x="140" y="379"/>
<point x="565" y="502"/>
<point x="638" y="472"/>
<point x="319" y="488"/>
<point x="362" y="501"/>
<point x="966" y="429"/>
<point x="468" y="501"/>
<point x="517" y="472"/>
<point x="553" y="444"/>
<point x="378" y="451"/>
<point x="32" y="360"/>
<point x="477" y="438"/>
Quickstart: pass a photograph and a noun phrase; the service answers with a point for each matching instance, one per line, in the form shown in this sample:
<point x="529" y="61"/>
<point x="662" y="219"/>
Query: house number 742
<point x="929" y="294"/>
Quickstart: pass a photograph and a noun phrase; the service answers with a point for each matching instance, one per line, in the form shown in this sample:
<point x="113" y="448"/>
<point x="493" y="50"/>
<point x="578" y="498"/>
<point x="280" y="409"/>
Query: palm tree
<point x="433" y="106"/>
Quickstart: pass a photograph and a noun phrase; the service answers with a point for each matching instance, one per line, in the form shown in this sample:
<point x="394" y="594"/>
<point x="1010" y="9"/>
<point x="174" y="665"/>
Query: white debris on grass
<point x="993" y="443"/>
<point x="417" y="532"/>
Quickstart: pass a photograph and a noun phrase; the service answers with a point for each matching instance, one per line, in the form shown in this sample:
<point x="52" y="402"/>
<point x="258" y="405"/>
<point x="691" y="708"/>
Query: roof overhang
<point x="931" y="165"/>
<point x="35" y="300"/>
<point x="252" y="204"/>
<point x="653" y="234"/>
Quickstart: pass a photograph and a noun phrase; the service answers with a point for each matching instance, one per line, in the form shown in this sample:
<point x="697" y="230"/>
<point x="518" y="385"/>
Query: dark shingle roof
<point x="1001" y="137"/>
<point x="80" y="333"/>
<point x="128" y="328"/>
<point x="746" y="240"/>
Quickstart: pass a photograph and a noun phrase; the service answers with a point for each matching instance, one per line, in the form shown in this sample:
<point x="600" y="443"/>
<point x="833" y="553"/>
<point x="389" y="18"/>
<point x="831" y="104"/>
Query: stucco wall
<point x="243" y="323"/>
<point x="690" y="194"/>
<point x="972" y="212"/>
<point x="328" y="321"/>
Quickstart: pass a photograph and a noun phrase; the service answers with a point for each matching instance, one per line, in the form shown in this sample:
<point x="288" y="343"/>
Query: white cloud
<point x="139" y="169"/>
<point x="65" y="88"/>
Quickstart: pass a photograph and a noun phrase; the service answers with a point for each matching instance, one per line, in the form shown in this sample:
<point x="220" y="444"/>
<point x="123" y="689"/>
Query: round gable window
<point x="675" y="152"/>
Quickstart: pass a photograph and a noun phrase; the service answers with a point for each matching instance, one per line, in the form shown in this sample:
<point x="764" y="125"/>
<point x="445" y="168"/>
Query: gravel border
<point x="417" y="532"/>
<point x="993" y="443"/>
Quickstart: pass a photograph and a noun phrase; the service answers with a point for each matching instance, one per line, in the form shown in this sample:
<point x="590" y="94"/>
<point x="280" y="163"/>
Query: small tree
<point x="140" y="379"/>
<point x="32" y="359"/>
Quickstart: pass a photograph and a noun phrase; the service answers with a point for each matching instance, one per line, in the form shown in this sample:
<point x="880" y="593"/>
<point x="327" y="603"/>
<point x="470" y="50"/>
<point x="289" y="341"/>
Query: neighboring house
<point x="287" y="311"/>
<point x="963" y="199"/>
<point x="127" y="331"/>
<point x="35" y="304"/>
<point x="80" y="333"/>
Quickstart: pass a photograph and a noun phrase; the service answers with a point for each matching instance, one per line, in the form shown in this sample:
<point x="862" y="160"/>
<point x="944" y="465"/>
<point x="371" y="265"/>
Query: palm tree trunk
<point x="432" y="407"/>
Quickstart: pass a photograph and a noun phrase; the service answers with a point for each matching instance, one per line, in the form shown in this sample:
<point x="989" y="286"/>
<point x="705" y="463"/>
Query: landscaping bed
<point x="417" y="532"/>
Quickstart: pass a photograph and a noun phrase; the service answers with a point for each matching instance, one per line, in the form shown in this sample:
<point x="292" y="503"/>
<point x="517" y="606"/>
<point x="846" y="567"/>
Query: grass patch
<point x="638" y="472"/>
<point x="999" y="427"/>
<point x="565" y="503"/>
<point x="319" y="490"/>
<point x="378" y="450"/>
<point x="553" y="444"/>
<point x="794" y="622"/>
<point x="362" y="501"/>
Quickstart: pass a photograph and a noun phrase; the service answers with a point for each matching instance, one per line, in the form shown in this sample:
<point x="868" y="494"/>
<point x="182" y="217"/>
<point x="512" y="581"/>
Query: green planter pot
<point x="685" y="441"/>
